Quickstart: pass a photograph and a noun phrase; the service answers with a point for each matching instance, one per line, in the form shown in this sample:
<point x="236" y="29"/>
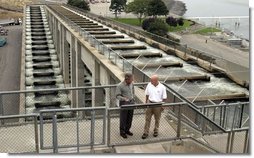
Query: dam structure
<point x="72" y="61"/>
<point x="193" y="82"/>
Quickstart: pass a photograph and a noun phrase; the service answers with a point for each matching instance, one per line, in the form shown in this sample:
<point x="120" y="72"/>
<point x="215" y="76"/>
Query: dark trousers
<point x="125" y="118"/>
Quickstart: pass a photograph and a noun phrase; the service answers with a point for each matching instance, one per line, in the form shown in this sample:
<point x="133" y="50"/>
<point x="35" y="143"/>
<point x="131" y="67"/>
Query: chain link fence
<point x="18" y="135"/>
<point x="84" y="128"/>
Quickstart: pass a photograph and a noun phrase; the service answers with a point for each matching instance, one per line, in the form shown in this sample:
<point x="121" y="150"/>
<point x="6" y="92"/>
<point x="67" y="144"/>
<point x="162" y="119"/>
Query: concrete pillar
<point x="61" y="42"/>
<point x="98" y="95"/>
<point x="66" y="60"/>
<point x="112" y="96"/>
<point x="73" y="71"/>
<point x="58" y="41"/>
<point x="79" y="75"/>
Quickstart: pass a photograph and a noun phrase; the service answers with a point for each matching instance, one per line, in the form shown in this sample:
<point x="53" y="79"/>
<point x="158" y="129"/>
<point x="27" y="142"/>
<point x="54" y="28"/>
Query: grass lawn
<point x="130" y="21"/>
<point x="207" y="30"/>
<point x="135" y="22"/>
<point x="186" y="24"/>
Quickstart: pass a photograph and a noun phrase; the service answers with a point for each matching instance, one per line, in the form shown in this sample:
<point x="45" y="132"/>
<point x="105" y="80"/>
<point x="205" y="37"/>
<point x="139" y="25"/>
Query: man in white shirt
<point x="155" y="93"/>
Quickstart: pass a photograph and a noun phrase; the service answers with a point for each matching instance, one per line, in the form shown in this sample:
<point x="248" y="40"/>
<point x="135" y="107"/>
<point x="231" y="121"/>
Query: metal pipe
<point x="214" y="112"/>
<point x="104" y="126"/>
<point x="54" y="129"/>
<point x="228" y="142"/>
<point x="233" y="122"/>
<point x="241" y="115"/>
<point x="178" y="133"/>
<point x="36" y="135"/>
<point x="232" y="141"/>
<point x="1" y="109"/>
<point x="225" y="117"/>
<point x="92" y="130"/>
<point x="220" y="116"/>
<point x="41" y="131"/>
<point x="246" y="142"/>
<point x="108" y="129"/>
<point x="77" y="123"/>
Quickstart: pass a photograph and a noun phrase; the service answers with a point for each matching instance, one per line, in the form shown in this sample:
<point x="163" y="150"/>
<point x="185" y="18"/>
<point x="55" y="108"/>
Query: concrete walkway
<point x="10" y="61"/>
<point x="217" y="49"/>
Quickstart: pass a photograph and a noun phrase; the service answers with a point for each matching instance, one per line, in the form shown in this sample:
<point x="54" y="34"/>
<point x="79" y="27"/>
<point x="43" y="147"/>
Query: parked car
<point x="3" y="32"/>
<point x="3" y="41"/>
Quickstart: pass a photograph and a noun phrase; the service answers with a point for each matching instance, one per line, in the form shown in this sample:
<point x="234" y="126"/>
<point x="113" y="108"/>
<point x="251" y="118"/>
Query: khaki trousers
<point x="157" y="115"/>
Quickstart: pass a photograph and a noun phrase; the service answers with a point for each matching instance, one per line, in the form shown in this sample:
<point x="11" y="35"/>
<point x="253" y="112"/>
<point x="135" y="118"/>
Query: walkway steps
<point x="146" y="54"/>
<point x="108" y="36"/>
<point x="96" y="29"/>
<point x="219" y="97"/>
<point x="183" y="78"/>
<point x="117" y="41"/>
<point x="91" y="26"/>
<point x="162" y="64"/>
<point x="128" y="47"/>
<point x="101" y="32"/>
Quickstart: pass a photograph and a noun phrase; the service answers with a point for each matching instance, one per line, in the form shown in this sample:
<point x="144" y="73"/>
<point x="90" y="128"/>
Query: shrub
<point x="158" y="27"/>
<point x="171" y="21"/>
<point x="180" y="21"/>
<point x="147" y="22"/>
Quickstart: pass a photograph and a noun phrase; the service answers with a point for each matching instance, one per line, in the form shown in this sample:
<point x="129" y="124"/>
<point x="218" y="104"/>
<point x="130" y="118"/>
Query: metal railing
<point x="87" y="127"/>
<point x="84" y="128"/>
<point x="228" y="115"/>
<point x="19" y="134"/>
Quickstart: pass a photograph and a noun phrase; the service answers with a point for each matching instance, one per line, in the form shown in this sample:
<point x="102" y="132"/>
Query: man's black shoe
<point x="129" y="133"/>
<point x="144" y="136"/>
<point x="123" y="135"/>
<point x="155" y="134"/>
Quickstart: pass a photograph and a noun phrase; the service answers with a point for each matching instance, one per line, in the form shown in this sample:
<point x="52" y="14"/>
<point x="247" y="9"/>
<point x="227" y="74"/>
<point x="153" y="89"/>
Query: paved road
<point x="218" y="49"/>
<point x="10" y="60"/>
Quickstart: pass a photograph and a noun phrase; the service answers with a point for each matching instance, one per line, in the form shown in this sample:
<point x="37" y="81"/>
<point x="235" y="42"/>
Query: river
<point x="221" y="8"/>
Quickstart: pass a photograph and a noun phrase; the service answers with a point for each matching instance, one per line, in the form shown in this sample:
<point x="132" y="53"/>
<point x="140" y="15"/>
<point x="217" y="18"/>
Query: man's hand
<point x="126" y="99"/>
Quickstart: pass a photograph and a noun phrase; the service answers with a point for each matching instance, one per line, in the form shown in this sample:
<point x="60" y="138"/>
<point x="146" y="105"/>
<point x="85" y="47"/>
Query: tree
<point x="157" y="8"/>
<point x="117" y="6"/>
<point x="158" y="27"/>
<point x="82" y="4"/>
<point x="139" y="8"/>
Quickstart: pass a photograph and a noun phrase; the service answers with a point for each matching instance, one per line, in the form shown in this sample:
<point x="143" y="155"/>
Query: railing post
<point x="241" y="115"/>
<point x="220" y="116"/>
<point x="104" y="126"/>
<point x="214" y="112"/>
<point x="228" y="142"/>
<point x="92" y="130"/>
<point x="36" y="134"/>
<point x="41" y="130"/>
<point x="225" y="117"/>
<point x="77" y="124"/>
<point x="54" y="129"/>
<point x="178" y="133"/>
<point x="1" y="108"/>
<point x="246" y="142"/>
<point x="232" y="141"/>
<point x="233" y="122"/>
<point x="108" y="129"/>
